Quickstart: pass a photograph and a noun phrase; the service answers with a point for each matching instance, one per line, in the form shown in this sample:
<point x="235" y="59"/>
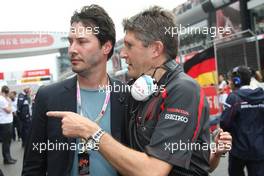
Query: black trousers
<point x="1" y="173"/>
<point x="25" y="129"/>
<point x="6" y="135"/>
<point x="16" y="127"/>
<point x="237" y="165"/>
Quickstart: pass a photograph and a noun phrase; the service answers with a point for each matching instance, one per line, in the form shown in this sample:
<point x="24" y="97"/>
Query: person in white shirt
<point x="16" y="121"/>
<point x="6" y="120"/>
<point x="255" y="80"/>
<point x="221" y="89"/>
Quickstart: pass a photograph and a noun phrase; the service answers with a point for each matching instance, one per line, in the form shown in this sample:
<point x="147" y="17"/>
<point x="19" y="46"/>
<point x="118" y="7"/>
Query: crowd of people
<point x="15" y="120"/>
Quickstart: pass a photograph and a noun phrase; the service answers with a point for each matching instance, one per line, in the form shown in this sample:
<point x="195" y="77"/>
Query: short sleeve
<point x="222" y="85"/>
<point x="176" y="126"/>
<point x="3" y="103"/>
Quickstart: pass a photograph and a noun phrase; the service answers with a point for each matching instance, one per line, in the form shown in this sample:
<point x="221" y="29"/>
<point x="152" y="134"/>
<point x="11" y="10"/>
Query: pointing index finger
<point x="57" y="114"/>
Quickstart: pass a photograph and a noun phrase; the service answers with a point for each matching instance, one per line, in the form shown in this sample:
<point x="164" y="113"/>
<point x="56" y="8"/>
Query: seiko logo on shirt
<point x="176" y="117"/>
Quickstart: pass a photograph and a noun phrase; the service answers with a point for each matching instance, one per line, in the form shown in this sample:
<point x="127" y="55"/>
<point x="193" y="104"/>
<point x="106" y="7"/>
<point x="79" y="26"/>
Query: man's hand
<point x="74" y="125"/>
<point x="223" y="141"/>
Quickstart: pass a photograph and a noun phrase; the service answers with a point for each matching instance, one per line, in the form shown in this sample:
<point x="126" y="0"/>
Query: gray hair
<point x="150" y="26"/>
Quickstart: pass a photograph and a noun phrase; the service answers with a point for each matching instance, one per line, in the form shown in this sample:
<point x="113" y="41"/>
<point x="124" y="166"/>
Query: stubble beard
<point x="86" y="71"/>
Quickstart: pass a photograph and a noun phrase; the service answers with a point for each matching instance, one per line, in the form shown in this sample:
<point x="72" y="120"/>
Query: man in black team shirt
<point x="167" y="115"/>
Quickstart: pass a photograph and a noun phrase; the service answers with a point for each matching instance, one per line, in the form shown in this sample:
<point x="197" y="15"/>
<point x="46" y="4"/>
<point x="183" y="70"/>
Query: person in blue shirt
<point x="24" y="113"/>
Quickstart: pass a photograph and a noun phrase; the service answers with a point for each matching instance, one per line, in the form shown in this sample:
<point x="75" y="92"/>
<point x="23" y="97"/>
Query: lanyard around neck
<point x="101" y="113"/>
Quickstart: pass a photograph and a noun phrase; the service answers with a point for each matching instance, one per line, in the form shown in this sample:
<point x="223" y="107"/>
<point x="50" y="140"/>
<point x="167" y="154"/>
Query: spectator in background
<point x="259" y="76"/>
<point x="24" y="113"/>
<point x="256" y="79"/>
<point x="6" y="120"/>
<point x="16" y="121"/>
<point x="243" y="118"/>
<point x="222" y="89"/>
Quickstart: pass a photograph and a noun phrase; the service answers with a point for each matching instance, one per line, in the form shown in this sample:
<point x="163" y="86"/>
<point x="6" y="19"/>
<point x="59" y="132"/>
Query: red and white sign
<point x="24" y="41"/>
<point x="186" y="57"/>
<point x="1" y="76"/>
<point x="34" y="73"/>
<point x="212" y="98"/>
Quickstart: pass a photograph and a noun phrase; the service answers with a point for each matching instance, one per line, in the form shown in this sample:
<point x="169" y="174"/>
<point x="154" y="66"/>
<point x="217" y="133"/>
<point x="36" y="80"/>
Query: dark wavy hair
<point x="95" y="16"/>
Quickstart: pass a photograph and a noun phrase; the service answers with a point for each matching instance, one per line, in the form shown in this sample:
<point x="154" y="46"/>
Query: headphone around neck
<point x="146" y="85"/>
